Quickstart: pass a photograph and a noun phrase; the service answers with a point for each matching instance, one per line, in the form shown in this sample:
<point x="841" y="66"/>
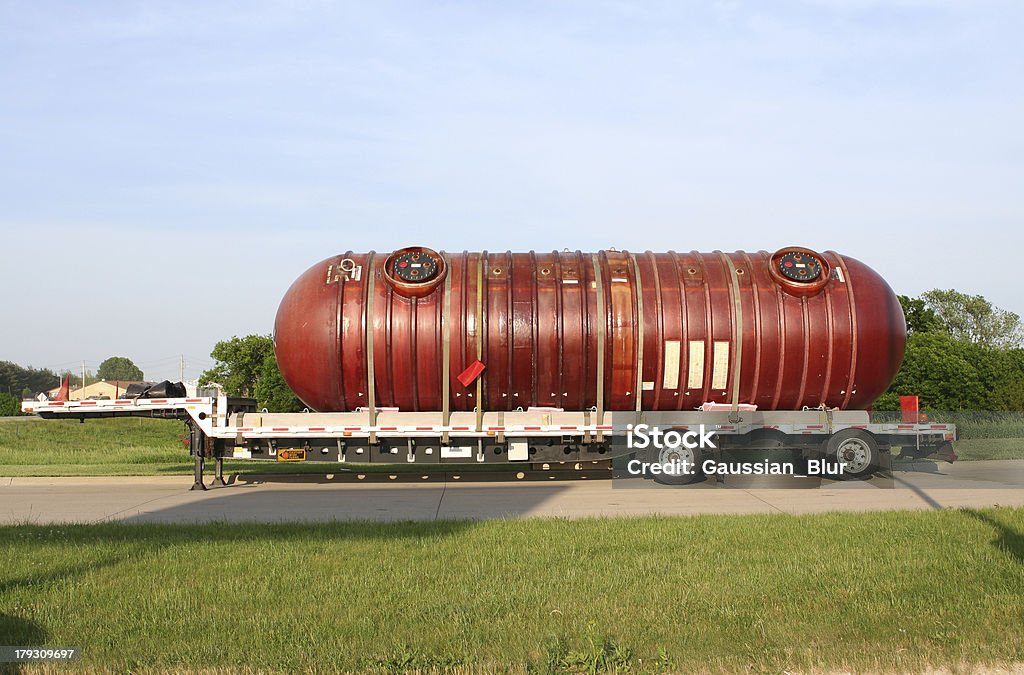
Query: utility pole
<point x="83" y="375"/>
<point x="181" y="377"/>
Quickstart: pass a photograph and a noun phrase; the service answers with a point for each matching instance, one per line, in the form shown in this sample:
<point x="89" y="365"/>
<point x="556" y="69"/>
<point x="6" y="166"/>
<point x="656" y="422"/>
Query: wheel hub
<point x="854" y="455"/>
<point x="672" y="455"/>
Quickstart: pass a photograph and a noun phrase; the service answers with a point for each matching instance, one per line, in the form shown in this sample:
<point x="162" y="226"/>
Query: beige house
<point x="101" y="389"/>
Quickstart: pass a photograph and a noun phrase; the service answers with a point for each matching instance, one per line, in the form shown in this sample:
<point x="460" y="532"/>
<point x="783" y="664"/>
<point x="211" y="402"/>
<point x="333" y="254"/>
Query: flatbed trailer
<point x="226" y="427"/>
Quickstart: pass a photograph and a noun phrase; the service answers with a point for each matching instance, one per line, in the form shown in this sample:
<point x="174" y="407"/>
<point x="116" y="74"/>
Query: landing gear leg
<point x="198" y="484"/>
<point x="218" y="474"/>
<point x="197" y="447"/>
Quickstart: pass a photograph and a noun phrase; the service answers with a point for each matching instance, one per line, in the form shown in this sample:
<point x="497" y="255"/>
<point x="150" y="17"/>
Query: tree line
<point x="25" y="382"/>
<point x="247" y="366"/>
<point x="963" y="353"/>
<point x="18" y="382"/>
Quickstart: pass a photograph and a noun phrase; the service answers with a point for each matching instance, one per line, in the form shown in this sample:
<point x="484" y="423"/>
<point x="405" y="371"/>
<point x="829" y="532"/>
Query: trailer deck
<point x="227" y="427"/>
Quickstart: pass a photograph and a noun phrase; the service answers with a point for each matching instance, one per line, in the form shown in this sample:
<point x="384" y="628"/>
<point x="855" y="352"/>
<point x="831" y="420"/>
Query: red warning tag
<point x="472" y="372"/>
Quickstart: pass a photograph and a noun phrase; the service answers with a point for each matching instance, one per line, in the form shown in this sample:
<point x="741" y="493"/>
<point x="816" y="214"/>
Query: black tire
<point x="669" y="455"/>
<point x="856" y="450"/>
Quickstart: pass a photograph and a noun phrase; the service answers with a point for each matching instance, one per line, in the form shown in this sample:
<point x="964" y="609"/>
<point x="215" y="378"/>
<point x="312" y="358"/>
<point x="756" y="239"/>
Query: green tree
<point x="119" y="368"/>
<point x="15" y="379"/>
<point x="247" y="366"/>
<point x="962" y="354"/>
<point x="272" y="392"/>
<point x="1009" y="395"/>
<point x="1007" y="387"/>
<point x="955" y="374"/>
<point x="9" y="405"/>
<point x="920" y="319"/>
<point x="975" y="319"/>
<point x="940" y="369"/>
<point x="238" y="364"/>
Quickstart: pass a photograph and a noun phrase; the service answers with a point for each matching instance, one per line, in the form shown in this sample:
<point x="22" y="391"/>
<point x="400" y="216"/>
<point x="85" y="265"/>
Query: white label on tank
<point x="457" y="451"/>
<point x="647" y="386"/>
<point x="670" y="376"/>
<point x="695" y="375"/>
<point x="720" y="367"/>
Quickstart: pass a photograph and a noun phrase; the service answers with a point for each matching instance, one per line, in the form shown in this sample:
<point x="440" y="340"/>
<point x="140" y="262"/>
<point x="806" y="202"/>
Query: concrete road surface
<point x="924" y="485"/>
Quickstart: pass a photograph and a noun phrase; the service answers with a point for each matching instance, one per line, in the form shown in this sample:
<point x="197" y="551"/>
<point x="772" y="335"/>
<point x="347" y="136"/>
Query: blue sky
<point x="167" y="169"/>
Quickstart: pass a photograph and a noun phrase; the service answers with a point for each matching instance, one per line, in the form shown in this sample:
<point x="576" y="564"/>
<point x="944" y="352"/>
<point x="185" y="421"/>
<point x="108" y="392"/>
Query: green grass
<point x="125" y="442"/>
<point x="832" y="592"/>
<point x="989" y="448"/>
<point x="970" y="424"/>
<point x="980" y="425"/>
<point x="141" y="447"/>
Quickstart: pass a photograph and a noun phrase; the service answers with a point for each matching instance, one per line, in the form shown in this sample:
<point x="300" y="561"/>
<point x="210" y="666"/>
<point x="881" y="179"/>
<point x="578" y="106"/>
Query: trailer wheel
<point x="676" y="457"/>
<point x="856" y="450"/>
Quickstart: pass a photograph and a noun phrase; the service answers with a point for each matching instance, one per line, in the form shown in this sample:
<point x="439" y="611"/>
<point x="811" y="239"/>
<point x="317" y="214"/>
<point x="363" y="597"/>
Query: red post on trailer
<point x="910" y="408"/>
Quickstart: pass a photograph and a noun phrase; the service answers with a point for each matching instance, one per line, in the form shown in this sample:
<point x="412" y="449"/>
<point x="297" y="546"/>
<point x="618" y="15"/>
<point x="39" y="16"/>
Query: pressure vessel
<point x="420" y="330"/>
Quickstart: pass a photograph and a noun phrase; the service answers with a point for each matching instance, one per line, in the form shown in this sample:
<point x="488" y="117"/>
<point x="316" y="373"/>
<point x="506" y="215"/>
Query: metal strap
<point x="446" y="347"/>
<point x="371" y="386"/>
<point x="339" y="323"/>
<point x="639" y="335"/>
<point x="478" y="329"/>
<point x="853" y="326"/>
<point x="602" y="325"/>
<point x="737" y="310"/>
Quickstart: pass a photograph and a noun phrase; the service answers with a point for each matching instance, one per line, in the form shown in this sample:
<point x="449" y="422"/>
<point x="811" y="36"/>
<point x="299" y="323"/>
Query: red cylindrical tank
<point x="577" y="330"/>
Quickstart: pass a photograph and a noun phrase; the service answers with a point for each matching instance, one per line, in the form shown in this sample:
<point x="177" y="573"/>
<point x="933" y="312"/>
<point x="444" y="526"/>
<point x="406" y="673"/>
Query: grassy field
<point x="890" y="592"/>
<point x="973" y="449"/>
<point x="880" y="592"/>
<point x="97" y="447"/>
<point x="131" y="447"/>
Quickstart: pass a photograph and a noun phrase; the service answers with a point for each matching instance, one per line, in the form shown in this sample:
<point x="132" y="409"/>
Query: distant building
<point x="101" y="389"/>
